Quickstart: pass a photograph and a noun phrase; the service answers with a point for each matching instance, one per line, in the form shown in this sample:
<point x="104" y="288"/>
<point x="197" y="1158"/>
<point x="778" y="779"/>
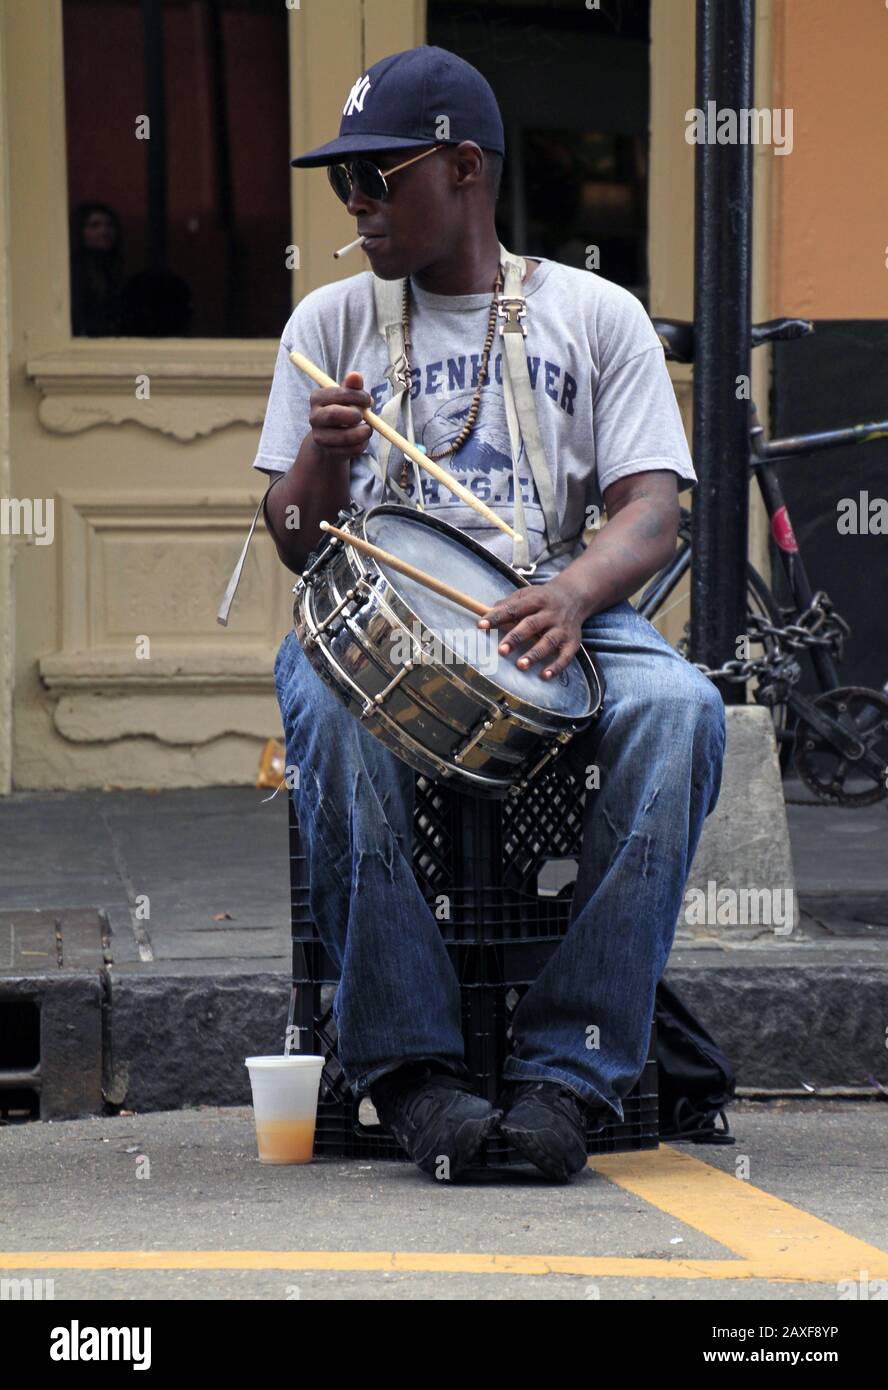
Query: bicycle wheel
<point x="671" y="617"/>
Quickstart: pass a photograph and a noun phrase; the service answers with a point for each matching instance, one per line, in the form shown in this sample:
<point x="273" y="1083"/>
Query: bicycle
<point x="839" y="739"/>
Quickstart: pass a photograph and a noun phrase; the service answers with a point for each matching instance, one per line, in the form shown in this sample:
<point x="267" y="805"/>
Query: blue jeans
<point x="586" y="1019"/>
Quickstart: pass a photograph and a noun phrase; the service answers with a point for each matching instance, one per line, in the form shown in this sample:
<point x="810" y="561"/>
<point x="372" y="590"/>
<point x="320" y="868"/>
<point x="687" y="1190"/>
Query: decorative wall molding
<point x="194" y="387"/>
<point x="246" y="673"/>
<point x="140" y="579"/>
<point x="105" y="718"/>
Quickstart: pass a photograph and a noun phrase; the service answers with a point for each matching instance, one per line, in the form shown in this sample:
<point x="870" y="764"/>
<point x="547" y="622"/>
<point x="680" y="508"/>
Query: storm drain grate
<point x="51" y="1013"/>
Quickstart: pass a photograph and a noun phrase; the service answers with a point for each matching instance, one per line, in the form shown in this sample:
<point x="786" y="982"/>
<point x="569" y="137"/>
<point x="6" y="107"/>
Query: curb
<point x="806" y="1020"/>
<point x="166" y="1042"/>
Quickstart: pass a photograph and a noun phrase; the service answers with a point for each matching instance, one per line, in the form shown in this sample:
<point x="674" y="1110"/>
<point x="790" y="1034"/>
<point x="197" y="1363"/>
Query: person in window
<point x="608" y="421"/>
<point x="96" y="271"/>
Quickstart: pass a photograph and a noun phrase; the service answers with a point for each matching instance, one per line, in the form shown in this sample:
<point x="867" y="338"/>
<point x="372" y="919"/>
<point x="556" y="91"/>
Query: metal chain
<point x="818" y="626"/>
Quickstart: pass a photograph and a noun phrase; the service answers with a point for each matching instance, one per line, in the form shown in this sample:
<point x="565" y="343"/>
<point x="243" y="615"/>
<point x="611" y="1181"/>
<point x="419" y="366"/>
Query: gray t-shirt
<point x="604" y="401"/>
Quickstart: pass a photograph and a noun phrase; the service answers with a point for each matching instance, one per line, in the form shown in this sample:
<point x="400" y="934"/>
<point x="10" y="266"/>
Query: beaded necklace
<point x="467" y="428"/>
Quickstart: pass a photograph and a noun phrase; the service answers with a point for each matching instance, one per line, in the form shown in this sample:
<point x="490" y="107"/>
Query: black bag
<point x="695" y="1079"/>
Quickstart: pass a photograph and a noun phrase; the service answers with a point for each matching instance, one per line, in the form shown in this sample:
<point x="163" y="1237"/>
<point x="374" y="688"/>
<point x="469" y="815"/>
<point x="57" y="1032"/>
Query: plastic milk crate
<point x="498" y="876"/>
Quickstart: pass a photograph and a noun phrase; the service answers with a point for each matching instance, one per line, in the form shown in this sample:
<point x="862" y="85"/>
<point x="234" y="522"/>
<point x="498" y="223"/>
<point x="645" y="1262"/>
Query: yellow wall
<point x="152" y="496"/>
<point x="831" y="193"/>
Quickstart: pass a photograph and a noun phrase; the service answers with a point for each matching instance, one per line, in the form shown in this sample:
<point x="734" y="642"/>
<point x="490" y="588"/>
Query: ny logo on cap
<point x="356" y="96"/>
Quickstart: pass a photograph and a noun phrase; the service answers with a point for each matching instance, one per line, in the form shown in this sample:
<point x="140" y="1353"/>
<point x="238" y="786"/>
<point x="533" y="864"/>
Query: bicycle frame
<point x="763" y="456"/>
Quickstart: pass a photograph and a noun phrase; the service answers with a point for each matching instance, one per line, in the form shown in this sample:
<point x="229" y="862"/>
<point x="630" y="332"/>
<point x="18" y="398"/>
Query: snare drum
<point x="416" y="670"/>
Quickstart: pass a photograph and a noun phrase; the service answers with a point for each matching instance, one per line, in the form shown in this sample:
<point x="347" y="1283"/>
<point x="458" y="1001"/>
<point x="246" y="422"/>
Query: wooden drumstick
<point x="385" y="557"/>
<point x="400" y="442"/>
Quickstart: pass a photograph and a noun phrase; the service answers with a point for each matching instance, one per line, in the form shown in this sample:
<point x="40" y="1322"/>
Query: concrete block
<point x="179" y="1040"/>
<point x="791" y="1018"/>
<point x="741" y="885"/>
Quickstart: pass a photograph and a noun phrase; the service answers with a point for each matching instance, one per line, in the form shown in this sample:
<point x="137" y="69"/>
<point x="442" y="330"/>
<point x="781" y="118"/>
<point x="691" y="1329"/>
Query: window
<point x="572" y="85"/>
<point x="178" y="167"/>
<point x="583" y="190"/>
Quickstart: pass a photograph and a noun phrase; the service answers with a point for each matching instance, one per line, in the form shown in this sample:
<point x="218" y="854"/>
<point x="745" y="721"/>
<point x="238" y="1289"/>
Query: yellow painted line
<point x="772" y="1239"/>
<point x="424" y="1262"/>
<point x="754" y="1224"/>
<point x="428" y="1262"/>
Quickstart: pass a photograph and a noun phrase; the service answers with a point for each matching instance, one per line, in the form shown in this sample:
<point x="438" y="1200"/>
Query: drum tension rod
<point x="320" y="557"/>
<point x="549" y="754"/>
<point x="393" y="684"/>
<point x="334" y="612"/>
<point x="477" y="736"/>
<point x="421" y="655"/>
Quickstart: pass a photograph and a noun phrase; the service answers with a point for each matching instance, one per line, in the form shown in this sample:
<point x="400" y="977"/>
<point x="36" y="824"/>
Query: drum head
<point x="450" y="558"/>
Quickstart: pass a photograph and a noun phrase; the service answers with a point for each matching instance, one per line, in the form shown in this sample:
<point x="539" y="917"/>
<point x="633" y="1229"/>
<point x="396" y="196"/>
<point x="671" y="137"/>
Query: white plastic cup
<point x="285" y="1106"/>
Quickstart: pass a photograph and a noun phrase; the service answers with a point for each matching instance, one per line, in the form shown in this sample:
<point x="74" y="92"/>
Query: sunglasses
<point x="364" y="175"/>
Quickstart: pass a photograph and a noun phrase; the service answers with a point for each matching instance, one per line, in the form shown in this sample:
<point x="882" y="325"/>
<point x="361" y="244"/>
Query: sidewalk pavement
<point x="180" y="900"/>
<point x="177" y="1206"/>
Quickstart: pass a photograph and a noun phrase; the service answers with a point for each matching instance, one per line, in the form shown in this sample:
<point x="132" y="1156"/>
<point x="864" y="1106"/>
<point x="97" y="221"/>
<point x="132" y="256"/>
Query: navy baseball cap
<point x="400" y="101"/>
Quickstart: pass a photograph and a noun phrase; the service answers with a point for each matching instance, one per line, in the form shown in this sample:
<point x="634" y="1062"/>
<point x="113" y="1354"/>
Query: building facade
<point x="113" y="670"/>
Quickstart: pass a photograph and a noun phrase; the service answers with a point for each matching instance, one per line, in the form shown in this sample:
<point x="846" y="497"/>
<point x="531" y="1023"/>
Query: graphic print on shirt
<point x="483" y="463"/>
<point x="441" y="396"/>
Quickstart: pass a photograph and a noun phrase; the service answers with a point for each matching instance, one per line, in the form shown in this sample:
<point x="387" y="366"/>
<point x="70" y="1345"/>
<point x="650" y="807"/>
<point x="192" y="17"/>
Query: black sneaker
<point x="435" y="1116"/>
<point x="547" y="1122"/>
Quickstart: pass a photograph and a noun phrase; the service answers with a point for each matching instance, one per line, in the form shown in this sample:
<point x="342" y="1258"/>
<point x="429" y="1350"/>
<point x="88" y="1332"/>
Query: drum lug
<point x="477" y="736"/>
<point x="538" y="767"/>
<point x="319" y="556"/>
<point x="334" y="612"/>
<point x="420" y="656"/>
<point x="393" y="684"/>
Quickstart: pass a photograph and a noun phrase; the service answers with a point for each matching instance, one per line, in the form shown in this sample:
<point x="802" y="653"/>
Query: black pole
<point x="152" y="28"/>
<point x="722" y="307"/>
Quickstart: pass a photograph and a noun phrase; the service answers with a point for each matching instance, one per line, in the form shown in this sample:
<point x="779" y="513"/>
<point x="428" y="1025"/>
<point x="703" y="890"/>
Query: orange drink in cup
<point x="285" y="1106"/>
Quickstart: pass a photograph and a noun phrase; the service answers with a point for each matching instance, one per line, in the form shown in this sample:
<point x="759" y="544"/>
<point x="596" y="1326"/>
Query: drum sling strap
<point x="231" y="586"/>
<point x="520" y="418"/>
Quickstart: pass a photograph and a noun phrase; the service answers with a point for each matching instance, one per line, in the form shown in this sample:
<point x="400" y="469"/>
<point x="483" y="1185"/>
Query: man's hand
<point x="337" y="426"/>
<point x="317" y="486"/>
<point x="548" y="615"/>
<point x="638" y="540"/>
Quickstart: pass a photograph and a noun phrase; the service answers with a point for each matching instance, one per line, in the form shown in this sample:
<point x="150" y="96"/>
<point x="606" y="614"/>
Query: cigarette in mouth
<point x="344" y="250"/>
